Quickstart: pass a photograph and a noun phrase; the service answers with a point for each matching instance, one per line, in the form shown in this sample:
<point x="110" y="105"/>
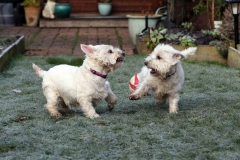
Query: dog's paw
<point x="110" y="107"/>
<point x="173" y="111"/>
<point x="56" y="114"/>
<point x="93" y="116"/>
<point x="134" y="97"/>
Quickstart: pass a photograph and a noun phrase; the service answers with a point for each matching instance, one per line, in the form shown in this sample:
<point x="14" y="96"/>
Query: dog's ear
<point x="189" y="51"/>
<point x="87" y="49"/>
<point x="178" y="56"/>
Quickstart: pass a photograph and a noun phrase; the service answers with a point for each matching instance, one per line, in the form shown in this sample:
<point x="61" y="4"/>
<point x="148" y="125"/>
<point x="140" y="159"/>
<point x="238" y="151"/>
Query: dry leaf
<point x="20" y="119"/>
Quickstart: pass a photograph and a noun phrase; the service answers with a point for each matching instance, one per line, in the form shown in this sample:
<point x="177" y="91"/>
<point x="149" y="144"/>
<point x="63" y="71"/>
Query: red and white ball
<point x="134" y="81"/>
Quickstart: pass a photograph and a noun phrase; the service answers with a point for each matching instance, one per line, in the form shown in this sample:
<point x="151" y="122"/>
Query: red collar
<point x="98" y="74"/>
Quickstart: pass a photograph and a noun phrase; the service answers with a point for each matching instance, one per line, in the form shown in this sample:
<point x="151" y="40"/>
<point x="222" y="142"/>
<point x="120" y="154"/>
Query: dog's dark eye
<point x="158" y="57"/>
<point x="110" y="51"/>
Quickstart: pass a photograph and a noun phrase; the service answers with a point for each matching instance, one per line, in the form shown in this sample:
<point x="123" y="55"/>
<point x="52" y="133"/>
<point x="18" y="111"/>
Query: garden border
<point x="17" y="47"/>
<point x="203" y="53"/>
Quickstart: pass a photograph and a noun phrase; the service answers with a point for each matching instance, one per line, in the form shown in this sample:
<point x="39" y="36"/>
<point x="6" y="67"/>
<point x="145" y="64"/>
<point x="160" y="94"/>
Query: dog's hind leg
<point x="173" y="103"/>
<point x="52" y="98"/>
<point x="162" y="100"/>
<point x="62" y="105"/>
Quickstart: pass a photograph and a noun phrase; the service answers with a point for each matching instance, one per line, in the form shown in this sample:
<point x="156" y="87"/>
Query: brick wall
<point x="119" y="6"/>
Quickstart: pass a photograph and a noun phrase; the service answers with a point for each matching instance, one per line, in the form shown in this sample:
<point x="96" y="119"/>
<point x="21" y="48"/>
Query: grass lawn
<point x="207" y="125"/>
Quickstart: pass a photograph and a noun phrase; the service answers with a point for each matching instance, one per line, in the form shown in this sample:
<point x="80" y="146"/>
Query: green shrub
<point x="187" y="41"/>
<point x="35" y="3"/>
<point x="156" y="36"/>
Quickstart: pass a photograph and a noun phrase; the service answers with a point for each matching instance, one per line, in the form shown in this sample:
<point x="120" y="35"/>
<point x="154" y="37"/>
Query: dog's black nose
<point x="146" y="63"/>
<point x="123" y="54"/>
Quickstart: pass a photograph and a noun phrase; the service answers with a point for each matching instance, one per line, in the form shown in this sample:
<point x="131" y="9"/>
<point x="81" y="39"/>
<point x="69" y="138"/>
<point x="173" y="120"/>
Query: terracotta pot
<point x="32" y="15"/>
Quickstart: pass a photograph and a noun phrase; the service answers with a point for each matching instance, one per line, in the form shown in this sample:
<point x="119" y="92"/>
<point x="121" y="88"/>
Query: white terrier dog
<point x="82" y="86"/>
<point x="48" y="11"/>
<point x="163" y="75"/>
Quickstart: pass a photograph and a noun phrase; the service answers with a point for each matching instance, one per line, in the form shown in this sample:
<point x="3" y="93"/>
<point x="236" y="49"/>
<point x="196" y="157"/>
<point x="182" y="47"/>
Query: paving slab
<point x="60" y="41"/>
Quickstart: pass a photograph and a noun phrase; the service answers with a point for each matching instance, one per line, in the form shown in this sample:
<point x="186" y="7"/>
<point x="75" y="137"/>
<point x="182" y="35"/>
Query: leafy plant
<point x="210" y="7"/>
<point x="173" y="36"/>
<point x="155" y="36"/>
<point x="187" y="41"/>
<point x="215" y="33"/>
<point x="187" y="25"/>
<point x="222" y="48"/>
<point x="206" y="32"/>
<point x="200" y="8"/>
<point x="35" y="3"/>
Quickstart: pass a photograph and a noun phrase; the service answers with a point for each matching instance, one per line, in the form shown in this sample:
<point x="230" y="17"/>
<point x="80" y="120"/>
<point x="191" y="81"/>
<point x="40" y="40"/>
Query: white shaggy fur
<point x="48" y="11"/>
<point x="78" y="85"/>
<point x="163" y="75"/>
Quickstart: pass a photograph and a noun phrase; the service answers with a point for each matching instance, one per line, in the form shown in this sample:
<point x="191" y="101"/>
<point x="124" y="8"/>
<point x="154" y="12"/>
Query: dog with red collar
<point x="84" y="86"/>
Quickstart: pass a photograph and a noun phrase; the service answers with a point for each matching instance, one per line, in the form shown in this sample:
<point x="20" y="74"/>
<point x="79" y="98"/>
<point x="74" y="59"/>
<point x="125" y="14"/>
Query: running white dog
<point x="82" y="86"/>
<point x="163" y="75"/>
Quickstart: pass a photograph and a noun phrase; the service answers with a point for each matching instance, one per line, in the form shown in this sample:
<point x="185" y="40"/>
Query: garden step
<point x="86" y="21"/>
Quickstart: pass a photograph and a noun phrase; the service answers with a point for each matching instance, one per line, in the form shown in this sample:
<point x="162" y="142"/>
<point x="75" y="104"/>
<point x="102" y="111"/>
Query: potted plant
<point x="104" y="7"/>
<point x="137" y="23"/>
<point x="63" y="10"/>
<point x="32" y="11"/>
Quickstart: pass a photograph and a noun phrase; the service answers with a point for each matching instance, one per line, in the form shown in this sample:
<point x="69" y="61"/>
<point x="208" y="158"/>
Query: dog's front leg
<point x="88" y="109"/>
<point x="141" y="91"/>
<point x="111" y="99"/>
<point x="173" y="103"/>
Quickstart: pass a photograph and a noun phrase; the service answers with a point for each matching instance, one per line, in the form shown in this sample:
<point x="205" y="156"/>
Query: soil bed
<point x="200" y="38"/>
<point x="6" y="41"/>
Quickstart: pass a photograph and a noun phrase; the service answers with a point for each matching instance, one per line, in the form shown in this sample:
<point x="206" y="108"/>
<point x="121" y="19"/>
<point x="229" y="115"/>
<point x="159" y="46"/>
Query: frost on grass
<point x="206" y="127"/>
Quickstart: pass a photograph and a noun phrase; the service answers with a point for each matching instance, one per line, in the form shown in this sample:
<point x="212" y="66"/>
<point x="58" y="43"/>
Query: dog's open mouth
<point x="153" y="71"/>
<point x="120" y="59"/>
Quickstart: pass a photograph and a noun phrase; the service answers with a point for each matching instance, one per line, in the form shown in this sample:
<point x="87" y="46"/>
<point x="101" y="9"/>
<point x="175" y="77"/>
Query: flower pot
<point x="32" y="15"/>
<point x="62" y="10"/>
<point x="104" y="8"/>
<point x="136" y="23"/>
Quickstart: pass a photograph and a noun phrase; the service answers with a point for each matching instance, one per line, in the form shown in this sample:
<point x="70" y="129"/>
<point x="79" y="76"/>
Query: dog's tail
<point x="189" y="51"/>
<point x="38" y="70"/>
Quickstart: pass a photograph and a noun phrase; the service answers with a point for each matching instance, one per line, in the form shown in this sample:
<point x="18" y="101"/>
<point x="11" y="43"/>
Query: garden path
<point x="59" y="41"/>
